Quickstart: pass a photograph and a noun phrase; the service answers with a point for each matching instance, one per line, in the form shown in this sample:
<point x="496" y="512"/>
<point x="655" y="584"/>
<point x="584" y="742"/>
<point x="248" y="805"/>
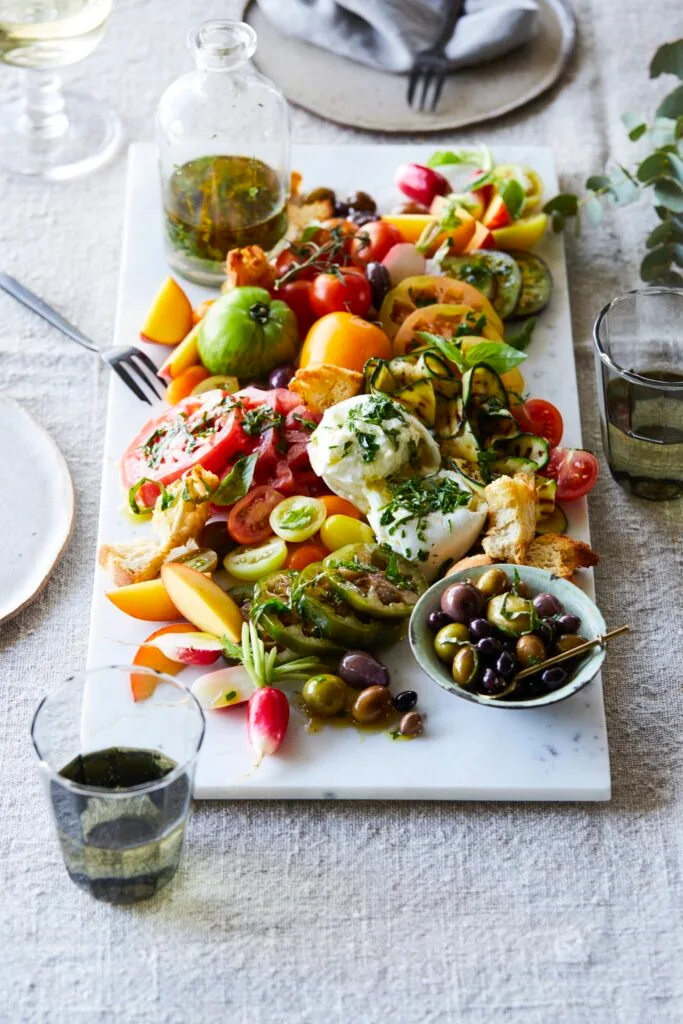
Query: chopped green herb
<point x="257" y="421"/>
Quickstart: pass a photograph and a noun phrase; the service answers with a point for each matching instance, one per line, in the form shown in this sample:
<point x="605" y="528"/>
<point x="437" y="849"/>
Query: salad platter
<point x="339" y="471"/>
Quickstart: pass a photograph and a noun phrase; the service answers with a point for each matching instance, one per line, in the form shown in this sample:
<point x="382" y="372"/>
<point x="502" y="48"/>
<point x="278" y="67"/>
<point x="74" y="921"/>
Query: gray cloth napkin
<point x="388" y="34"/>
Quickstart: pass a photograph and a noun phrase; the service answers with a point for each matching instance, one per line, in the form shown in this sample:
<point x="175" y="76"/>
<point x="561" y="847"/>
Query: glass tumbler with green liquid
<point x="639" y="358"/>
<point x="118" y="774"/>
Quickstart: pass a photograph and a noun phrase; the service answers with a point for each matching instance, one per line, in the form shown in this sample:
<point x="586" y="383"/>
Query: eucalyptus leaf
<point x="669" y="193"/>
<point x="593" y="211"/>
<point x="668" y="60"/>
<point x="237" y="482"/>
<point x="597" y="182"/>
<point x="662" y="234"/>
<point x="657" y="261"/>
<point x="564" y="204"/>
<point x="672" y="105"/>
<point x="635" y="126"/>
<point x="653" y="166"/>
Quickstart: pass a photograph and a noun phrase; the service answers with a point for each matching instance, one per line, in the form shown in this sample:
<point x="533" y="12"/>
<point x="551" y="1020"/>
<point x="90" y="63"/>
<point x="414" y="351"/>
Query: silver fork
<point x="123" y="361"/>
<point x="431" y="65"/>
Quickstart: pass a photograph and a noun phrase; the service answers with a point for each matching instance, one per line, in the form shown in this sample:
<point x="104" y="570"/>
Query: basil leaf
<point x="167" y="499"/>
<point x="499" y="356"/>
<point x="447" y="348"/>
<point x="479" y="156"/>
<point x="513" y="196"/>
<point x="519" y="337"/>
<point x="238" y="481"/>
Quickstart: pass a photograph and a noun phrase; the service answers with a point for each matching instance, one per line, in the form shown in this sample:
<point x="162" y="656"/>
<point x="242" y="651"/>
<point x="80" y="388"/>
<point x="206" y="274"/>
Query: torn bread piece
<point x="178" y="517"/>
<point x="321" y="387"/>
<point x="248" y="267"/>
<point x="511" y="524"/>
<point x="560" y="555"/>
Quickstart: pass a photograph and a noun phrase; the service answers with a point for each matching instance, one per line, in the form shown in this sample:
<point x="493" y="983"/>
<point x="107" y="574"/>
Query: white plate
<point x="468" y="752"/>
<point x="37" y="516"/>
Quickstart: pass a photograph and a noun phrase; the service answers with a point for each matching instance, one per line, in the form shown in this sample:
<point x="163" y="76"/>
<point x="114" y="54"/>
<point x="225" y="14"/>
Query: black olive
<point x="405" y="701"/>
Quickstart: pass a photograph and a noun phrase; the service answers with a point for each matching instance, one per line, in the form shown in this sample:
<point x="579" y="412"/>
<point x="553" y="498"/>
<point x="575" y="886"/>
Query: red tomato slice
<point x="248" y="520"/>
<point x="201" y="429"/>
<point x="539" y="417"/>
<point x="575" y="470"/>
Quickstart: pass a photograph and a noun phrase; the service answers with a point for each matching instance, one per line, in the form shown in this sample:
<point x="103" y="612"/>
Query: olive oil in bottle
<point x="125" y="849"/>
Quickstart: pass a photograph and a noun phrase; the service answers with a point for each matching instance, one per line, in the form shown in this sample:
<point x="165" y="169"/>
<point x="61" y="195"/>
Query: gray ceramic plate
<point x="538" y="580"/>
<point x="361" y="97"/>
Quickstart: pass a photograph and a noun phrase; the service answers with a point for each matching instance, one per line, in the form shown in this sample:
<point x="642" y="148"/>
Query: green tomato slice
<point x="273" y="612"/>
<point x="298" y="518"/>
<point x="250" y="562"/>
<point x="375" y="581"/>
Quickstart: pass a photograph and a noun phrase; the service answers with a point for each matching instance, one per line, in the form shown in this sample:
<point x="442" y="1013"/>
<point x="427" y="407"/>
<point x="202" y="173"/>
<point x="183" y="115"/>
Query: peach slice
<point x="183" y="356"/>
<point x="202" y="601"/>
<point x="497" y="214"/>
<point x="148" y="655"/>
<point x="170" y="315"/>
<point x="148" y="601"/>
<point x="481" y="239"/>
<point x="223" y="688"/>
<point x="190" y="648"/>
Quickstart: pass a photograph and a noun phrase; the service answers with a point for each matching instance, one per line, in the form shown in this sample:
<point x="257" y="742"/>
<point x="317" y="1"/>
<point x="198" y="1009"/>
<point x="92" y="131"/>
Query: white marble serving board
<point x="467" y="752"/>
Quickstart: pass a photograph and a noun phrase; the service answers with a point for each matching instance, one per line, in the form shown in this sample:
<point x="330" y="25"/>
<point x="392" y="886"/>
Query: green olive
<point x="493" y="582"/>
<point x="325" y="694"/>
<point x="568" y="642"/>
<point x="466" y="666"/>
<point x="511" y="614"/>
<point x="447" y="639"/>
<point x="372" y="704"/>
<point x="530" y="650"/>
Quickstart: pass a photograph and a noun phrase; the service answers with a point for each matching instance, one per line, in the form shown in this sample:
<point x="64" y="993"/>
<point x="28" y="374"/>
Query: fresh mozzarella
<point x="366" y="439"/>
<point x="431" y="537"/>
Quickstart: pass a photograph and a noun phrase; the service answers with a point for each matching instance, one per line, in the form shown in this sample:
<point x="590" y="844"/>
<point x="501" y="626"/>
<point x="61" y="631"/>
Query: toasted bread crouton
<point x="471" y="562"/>
<point x="323" y="386"/>
<point x="560" y="555"/>
<point x="176" y="522"/>
<point x="511" y="525"/>
<point x="300" y="216"/>
<point x="248" y="266"/>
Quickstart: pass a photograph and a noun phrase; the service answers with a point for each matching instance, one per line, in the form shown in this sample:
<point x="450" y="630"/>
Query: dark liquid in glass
<point x="644" y="441"/>
<point x="121" y="848"/>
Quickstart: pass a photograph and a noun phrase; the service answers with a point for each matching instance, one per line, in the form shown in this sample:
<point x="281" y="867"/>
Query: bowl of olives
<point x="474" y="631"/>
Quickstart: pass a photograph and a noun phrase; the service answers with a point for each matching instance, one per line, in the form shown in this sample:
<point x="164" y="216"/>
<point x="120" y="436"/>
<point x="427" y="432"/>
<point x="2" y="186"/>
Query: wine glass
<point x="43" y="132"/>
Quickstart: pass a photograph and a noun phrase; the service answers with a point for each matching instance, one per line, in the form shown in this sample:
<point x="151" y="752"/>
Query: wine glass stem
<point x="43" y="115"/>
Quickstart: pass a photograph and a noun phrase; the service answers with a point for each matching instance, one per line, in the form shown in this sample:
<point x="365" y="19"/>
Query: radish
<point x="190" y="648"/>
<point x="402" y="261"/>
<point x="267" y="720"/>
<point x="222" y="689"/>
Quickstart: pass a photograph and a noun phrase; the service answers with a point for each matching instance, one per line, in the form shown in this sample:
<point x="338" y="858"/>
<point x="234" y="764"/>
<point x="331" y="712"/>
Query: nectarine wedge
<point x="183" y="356"/>
<point x="481" y="239"/>
<point x="147" y="600"/>
<point x="143" y="686"/>
<point x="170" y="316"/>
<point x="202" y="601"/>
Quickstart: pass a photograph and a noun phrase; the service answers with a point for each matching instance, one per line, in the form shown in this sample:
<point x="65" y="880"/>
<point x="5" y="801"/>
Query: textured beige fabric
<point x="301" y="913"/>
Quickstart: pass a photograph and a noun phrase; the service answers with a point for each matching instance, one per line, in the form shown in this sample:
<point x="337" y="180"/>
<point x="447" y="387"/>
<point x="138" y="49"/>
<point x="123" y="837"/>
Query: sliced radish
<point x="402" y="261"/>
<point x="267" y="720"/>
<point x="223" y="688"/>
<point x="190" y="648"/>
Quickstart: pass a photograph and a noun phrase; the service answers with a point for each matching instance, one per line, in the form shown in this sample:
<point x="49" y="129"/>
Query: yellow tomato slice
<point x="523" y="234"/>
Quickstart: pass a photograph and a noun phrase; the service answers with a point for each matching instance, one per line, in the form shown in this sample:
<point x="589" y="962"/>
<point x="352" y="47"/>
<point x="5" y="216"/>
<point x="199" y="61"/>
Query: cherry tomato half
<point x="536" y="416"/>
<point x="297" y="295"/>
<point x="575" y="470"/>
<point x="347" y="290"/>
<point x="248" y="522"/>
<point x="374" y="240"/>
<point x="301" y="555"/>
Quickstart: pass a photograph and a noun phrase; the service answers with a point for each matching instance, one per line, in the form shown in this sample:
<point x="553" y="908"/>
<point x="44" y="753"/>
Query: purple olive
<point x="506" y="666"/>
<point x="554" y="677"/>
<point x="281" y="376"/>
<point x="568" y="623"/>
<point x="437" y="619"/>
<point x="489" y="650"/>
<point x="547" y="605"/>
<point x="360" y="670"/>
<point x="546" y="632"/>
<point x="462" y="602"/>
<point x="479" y="628"/>
<point x="379" y="280"/>
<point x="491" y="682"/>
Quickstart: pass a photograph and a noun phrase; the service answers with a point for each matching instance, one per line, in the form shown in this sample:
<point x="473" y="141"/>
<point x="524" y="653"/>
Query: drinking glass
<point x="118" y="772"/>
<point x="43" y="132"/>
<point x="639" y="358"/>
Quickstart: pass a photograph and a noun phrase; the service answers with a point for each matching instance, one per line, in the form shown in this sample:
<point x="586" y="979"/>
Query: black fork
<point x="131" y="364"/>
<point x="431" y="65"/>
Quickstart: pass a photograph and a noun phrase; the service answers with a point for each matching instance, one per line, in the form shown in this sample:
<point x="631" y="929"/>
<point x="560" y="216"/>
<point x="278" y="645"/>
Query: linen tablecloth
<point x="351" y="913"/>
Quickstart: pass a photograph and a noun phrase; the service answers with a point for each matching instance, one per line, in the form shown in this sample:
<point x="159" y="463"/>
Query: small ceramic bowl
<point x="538" y="581"/>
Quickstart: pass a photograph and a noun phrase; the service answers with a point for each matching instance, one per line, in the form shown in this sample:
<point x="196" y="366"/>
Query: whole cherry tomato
<point x="374" y="240"/>
<point x="297" y="294"/>
<point x="288" y="260"/>
<point x="536" y="416"/>
<point x="347" y="290"/>
<point x="575" y="470"/>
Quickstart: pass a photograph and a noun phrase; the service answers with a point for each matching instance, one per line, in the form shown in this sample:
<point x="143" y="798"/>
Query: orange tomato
<point x="342" y="339"/>
<point x="337" y="506"/>
<point x="200" y="311"/>
<point x="301" y="555"/>
<point x="180" y="387"/>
